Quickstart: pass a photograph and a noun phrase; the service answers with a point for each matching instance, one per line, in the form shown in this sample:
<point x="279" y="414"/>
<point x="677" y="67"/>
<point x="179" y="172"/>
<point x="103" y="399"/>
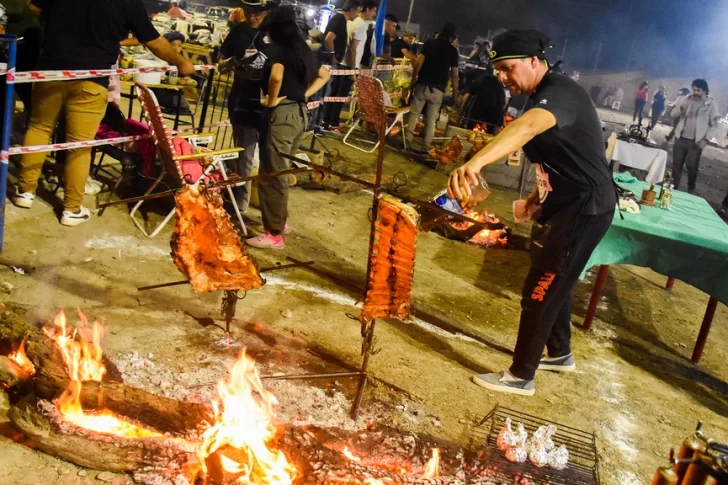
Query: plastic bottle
<point x="447" y="203"/>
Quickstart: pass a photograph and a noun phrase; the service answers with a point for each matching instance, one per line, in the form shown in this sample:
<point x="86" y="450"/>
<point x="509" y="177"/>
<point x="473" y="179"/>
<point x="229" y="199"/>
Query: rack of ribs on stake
<point x="392" y="262"/>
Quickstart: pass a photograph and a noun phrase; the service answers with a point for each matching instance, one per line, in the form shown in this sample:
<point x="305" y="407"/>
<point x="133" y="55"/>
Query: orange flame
<point x="21" y="358"/>
<point x="244" y="421"/>
<point x="83" y="359"/>
<point x="351" y="456"/>
<point x="432" y="469"/>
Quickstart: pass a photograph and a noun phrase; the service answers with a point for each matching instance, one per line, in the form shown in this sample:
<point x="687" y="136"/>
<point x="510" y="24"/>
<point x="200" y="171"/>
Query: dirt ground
<point x="634" y="387"/>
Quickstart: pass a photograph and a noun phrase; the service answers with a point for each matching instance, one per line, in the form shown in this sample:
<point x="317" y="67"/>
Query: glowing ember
<point x="485" y="237"/>
<point x="244" y="421"/>
<point x="432" y="469"/>
<point x="83" y="359"/>
<point x="350" y="455"/>
<point x="20" y="358"/>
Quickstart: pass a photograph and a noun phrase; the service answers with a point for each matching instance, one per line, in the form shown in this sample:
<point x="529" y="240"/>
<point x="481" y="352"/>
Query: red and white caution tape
<point x="44" y="76"/>
<point x="350" y="72"/>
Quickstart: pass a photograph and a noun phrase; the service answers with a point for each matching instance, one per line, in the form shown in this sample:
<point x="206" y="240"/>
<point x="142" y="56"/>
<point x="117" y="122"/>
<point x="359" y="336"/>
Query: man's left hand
<point x="702" y="144"/>
<point x="462" y="178"/>
<point x="186" y="68"/>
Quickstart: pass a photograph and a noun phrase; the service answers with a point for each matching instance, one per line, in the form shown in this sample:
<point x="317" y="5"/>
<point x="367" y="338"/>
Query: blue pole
<point x="6" y="127"/>
<point x="379" y="29"/>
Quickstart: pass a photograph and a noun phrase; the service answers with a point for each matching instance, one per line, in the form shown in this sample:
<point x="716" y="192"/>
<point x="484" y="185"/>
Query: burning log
<point x="46" y="427"/>
<point x="12" y="373"/>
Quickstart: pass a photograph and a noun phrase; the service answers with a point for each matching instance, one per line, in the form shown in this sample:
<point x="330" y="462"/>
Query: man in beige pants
<point x="80" y="35"/>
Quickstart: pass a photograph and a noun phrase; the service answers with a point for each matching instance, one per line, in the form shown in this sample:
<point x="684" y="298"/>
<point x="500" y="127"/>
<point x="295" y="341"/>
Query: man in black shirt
<point x="336" y="39"/>
<point x="336" y="35"/>
<point x="485" y="102"/>
<point x="573" y="203"/>
<point x="437" y="63"/>
<point x="401" y="47"/>
<point x="81" y="35"/>
<point x="245" y="51"/>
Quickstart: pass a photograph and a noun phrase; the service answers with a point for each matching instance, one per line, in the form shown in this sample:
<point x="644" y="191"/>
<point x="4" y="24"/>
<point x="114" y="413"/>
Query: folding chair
<point x="171" y="160"/>
<point x="371" y="98"/>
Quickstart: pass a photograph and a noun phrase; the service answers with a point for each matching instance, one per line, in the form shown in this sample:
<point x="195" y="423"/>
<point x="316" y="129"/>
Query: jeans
<point x="84" y="106"/>
<point x="281" y="133"/>
<point x="546" y="299"/>
<point x="245" y="137"/>
<point x="424" y="96"/>
<point x="686" y="152"/>
<point x="639" y="106"/>
<point x="340" y="87"/>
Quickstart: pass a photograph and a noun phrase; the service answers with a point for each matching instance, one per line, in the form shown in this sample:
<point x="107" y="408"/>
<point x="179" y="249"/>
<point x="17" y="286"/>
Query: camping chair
<point x="171" y="159"/>
<point x="194" y="104"/>
<point x="371" y="98"/>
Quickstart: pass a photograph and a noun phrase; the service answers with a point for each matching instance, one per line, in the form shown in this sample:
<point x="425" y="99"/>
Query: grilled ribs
<point x="206" y="248"/>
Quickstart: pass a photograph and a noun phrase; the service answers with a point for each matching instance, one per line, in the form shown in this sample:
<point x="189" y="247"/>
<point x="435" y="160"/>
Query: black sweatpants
<point x="546" y="299"/>
<point x="686" y="152"/>
<point x="340" y="87"/>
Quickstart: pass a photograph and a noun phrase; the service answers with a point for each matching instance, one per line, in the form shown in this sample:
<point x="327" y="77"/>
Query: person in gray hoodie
<point x="696" y="119"/>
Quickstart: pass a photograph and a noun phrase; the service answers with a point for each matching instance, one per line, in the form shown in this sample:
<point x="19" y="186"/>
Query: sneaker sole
<point x="72" y="222"/>
<point x="557" y="368"/>
<point x="505" y="389"/>
<point x="22" y="204"/>
<point x="265" y="247"/>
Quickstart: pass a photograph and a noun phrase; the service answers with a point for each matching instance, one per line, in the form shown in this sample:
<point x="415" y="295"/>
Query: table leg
<point x="176" y="115"/>
<point x="596" y="295"/>
<point x="704" y="330"/>
<point x="670" y="283"/>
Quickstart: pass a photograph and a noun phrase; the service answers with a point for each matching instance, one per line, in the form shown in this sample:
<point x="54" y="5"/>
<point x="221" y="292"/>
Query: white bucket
<point x="149" y="77"/>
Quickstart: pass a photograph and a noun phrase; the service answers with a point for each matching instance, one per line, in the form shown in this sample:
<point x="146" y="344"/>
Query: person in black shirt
<point x="485" y="102"/>
<point x="437" y="62"/>
<point x="401" y="47"/>
<point x="245" y="51"/>
<point x="85" y="35"/>
<point x="336" y="35"/>
<point x="292" y="73"/>
<point x="573" y="203"/>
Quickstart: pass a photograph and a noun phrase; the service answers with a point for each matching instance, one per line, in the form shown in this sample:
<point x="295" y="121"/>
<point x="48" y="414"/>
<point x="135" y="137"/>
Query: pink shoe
<point x="286" y="230"/>
<point x="266" y="241"/>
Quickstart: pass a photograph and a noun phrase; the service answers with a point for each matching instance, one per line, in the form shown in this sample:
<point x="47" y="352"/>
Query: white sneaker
<point x="70" y="218"/>
<point x="23" y="199"/>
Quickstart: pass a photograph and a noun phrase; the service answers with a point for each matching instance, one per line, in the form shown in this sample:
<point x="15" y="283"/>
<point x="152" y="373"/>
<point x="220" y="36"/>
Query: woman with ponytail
<point x="291" y="74"/>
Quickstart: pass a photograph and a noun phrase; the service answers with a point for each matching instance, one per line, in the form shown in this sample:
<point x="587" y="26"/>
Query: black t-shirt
<point x="244" y="103"/>
<point x="294" y="83"/>
<point x="337" y="25"/>
<point x="396" y="48"/>
<point x="488" y="101"/>
<point x="366" y="58"/>
<point x="85" y="34"/>
<point x="440" y="56"/>
<point x="572" y="153"/>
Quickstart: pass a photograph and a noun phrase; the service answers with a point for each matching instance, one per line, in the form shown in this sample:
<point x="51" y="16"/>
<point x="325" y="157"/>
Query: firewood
<point x="41" y="422"/>
<point x="11" y="374"/>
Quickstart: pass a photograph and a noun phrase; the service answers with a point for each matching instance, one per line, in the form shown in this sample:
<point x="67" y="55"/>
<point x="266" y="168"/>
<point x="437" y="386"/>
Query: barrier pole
<point x="7" y="124"/>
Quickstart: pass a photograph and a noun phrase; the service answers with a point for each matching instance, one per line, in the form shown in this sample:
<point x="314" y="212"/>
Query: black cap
<point x="174" y="35"/>
<point x="448" y="31"/>
<point x="519" y="44"/>
<point x="257" y="5"/>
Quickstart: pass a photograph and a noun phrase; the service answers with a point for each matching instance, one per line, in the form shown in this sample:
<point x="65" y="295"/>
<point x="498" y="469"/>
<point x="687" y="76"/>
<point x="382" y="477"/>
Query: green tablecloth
<point x="689" y="242"/>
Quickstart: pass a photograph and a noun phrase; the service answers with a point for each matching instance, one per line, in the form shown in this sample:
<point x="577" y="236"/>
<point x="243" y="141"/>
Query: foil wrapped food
<point x="513" y="444"/>
<point x="559" y="458"/>
<point x="540" y="444"/>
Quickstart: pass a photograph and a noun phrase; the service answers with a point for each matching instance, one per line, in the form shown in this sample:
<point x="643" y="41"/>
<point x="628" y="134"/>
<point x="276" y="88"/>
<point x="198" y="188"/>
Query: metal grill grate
<point x="583" y="462"/>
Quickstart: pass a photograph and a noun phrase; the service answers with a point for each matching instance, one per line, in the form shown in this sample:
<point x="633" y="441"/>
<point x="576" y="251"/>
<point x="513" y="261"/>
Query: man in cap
<point x="436" y="64"/>
<point x="244" y="51"/>
<point x="573" y="203"/>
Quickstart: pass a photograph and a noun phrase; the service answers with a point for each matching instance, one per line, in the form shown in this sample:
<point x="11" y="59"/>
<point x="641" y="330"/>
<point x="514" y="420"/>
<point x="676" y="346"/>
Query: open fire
<point x="487" y="238"/>
<point x="20" y="358"/>
<point x="83" y="359"/>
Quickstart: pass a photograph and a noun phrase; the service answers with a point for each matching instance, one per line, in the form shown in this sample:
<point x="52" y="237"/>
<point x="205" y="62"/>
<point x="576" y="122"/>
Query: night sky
<point x="670" y="37"/>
